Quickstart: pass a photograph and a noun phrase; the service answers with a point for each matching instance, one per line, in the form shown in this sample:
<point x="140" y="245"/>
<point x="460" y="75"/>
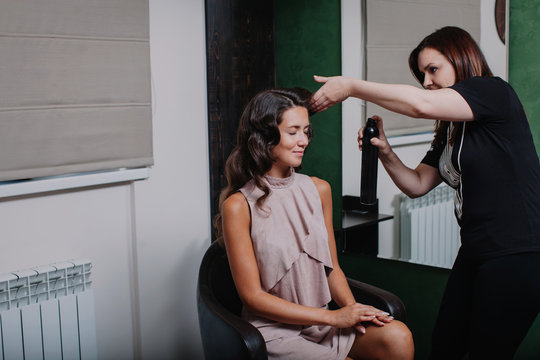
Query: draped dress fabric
<point x="290" y="241"/>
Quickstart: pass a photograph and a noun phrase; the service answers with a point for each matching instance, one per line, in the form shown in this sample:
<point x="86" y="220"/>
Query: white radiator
<point x="428" y="228"/>
<point x="47" y="313"/>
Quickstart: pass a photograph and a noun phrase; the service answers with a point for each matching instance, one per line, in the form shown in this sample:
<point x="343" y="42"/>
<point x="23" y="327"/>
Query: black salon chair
<point x="226" y="336"/>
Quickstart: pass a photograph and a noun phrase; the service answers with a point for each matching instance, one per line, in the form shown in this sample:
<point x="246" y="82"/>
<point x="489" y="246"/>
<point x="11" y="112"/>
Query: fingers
<point x="319" y="105"/>
<point x="320" y="79"/>
<point x="377" y="320"/>
<point x="367" y="318"/>
<point x="359" y="138"/>
<point x="359" y="316"/>
<point x="377" y="142"/>
<point x="360" y="328"/>
<point x="318" y="101"/>
<point x="318" y="108"/>
<point x="382" y="320"/>
<point x="370" y="313"/>
<point x="380" y="142"/>
<point x="379" y="122"/>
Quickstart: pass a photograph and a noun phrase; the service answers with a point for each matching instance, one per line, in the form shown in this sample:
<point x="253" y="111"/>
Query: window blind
<point x="75" y="94"/>
<point x="393" y="29"/>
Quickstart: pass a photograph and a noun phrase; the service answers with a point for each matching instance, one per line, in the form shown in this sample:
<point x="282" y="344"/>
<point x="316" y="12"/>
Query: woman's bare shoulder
<point x="323" y="187"/>
<point x="236" y="204"/>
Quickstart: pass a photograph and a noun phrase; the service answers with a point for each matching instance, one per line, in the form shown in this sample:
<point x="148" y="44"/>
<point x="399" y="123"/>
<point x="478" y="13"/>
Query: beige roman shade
<point x="74" y="87"/>
<point x="393" y="29"/>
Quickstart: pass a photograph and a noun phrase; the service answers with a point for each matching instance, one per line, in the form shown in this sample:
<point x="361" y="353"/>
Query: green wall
<point x="308" y="42"/>
<point x="524" y="76"/>
<point x="524" y="59"/>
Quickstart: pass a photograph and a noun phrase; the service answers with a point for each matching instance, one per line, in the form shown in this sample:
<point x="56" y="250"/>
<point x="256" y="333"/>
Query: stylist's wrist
<point x="347" y="86"/>
<point x="386" y="154"/>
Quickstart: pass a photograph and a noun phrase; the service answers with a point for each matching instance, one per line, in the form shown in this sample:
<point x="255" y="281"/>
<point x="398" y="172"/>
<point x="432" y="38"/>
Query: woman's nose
<point x="303" y="140"/>
<point x="427" y="81"/>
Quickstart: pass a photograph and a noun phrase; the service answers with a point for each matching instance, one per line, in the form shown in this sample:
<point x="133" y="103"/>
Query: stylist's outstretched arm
<point x="435" y="101"/>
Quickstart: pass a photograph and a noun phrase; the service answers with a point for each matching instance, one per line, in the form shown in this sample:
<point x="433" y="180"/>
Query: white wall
<point x="173" y="207"/>
<point x="93" y="224"/>
<point x="145" y="239"/>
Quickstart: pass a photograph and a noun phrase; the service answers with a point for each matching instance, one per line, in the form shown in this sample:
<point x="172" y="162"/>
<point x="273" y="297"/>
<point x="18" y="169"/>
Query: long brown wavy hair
<point x="463" y="53"/>
<point x="257" y="136"/>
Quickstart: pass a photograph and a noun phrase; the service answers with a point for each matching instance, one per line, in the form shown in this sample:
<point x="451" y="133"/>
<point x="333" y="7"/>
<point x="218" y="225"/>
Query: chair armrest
<point x="379" y="298"/>
<point x="225" y="335"/>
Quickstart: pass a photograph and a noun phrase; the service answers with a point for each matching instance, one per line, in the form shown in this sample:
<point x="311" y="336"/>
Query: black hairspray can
<point x="370" y="154"/>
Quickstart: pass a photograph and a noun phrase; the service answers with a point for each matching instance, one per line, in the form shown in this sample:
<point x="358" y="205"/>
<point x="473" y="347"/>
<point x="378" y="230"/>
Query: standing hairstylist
<point x="483" y="148"/>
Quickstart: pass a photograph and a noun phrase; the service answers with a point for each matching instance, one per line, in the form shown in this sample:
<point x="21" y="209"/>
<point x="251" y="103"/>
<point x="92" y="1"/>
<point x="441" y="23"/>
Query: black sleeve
<point x="434" y="153"/>
<point x="487" y="97"/>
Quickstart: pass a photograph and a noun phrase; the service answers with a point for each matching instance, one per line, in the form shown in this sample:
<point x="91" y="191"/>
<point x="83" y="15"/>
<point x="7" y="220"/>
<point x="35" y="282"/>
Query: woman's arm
<point x="339" y="287"/>
<point x="413" y="182"/>
<point x="236" y="232"/>
<point x="442" y="104"/>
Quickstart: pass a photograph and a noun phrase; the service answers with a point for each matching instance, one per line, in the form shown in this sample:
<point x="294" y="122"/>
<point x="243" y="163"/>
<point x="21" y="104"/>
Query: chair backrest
<point x="224" y="334"/>
<point x="220" y="279"/>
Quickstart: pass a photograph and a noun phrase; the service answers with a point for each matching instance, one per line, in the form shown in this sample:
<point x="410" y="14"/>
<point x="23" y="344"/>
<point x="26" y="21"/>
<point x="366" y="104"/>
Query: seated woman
<point x="276" y="226"/>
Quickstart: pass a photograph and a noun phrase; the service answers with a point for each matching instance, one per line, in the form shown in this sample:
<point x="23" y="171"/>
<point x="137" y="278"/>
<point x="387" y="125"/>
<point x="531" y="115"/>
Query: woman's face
<point x="293" y="131"/>
<point x="438" y="71"/>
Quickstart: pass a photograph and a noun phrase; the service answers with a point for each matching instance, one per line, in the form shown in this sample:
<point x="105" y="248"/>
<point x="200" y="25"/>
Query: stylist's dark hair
<point x="459" y="48"/>
<point x="257" y="136"/>
<point x="463" y="53"/>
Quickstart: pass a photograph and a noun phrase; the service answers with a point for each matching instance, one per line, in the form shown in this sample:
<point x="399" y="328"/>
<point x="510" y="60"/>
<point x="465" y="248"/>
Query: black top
<point x="494" y="168"/>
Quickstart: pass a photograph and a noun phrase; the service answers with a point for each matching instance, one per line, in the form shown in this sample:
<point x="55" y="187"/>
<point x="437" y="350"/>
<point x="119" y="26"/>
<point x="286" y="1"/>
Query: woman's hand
<point x="355" y="314"/>
<point x="334" y="90"/>
<point x="380" y="142"/>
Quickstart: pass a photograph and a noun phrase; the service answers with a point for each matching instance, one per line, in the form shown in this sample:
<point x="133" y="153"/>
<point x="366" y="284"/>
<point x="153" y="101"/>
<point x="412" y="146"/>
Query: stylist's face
<point x="438" y="71"/>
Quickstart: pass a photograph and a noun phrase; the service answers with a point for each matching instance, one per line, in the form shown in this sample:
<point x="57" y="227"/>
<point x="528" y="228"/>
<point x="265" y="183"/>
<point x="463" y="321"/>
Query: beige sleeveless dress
<point x="291" y="247"/>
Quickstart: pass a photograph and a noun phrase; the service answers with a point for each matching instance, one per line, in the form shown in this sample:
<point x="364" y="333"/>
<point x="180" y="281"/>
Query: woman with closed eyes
<point x="276" y="226"/>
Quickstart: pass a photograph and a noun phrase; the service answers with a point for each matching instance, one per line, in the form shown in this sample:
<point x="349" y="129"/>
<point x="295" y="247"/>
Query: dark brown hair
<point x="463" y="53"/>
<point x="257" y="136"/>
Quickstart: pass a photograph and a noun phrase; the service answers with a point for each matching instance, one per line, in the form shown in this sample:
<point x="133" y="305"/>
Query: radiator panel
<point x="12" y="335"/>
<point x="1" y="345"/>
<point x="69" y="332"/>
<point x="50" y="322"/>
<point x="429" y="233"/>
<point x="48" y="313"/>
<point x="87" y="331"/>
<point x="31" y="330"/>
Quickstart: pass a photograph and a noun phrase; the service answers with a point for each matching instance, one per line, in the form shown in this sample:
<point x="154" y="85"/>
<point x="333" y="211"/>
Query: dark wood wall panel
<point x="240" y="63"/>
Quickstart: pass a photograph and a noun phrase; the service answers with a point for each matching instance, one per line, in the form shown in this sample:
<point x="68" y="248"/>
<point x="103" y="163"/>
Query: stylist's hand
<point x="334" y="90"/>
<point x="355" y="314"/>
<point x="380" y="142"/>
